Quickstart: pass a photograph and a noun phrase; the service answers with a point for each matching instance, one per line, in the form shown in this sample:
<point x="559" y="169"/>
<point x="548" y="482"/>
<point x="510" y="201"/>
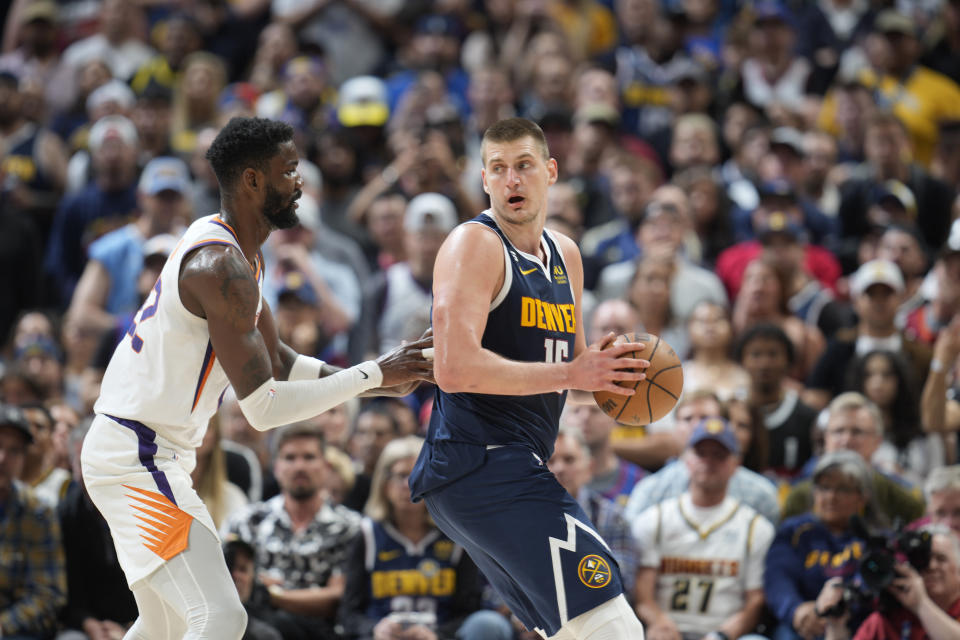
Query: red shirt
<point x="900" y="624"/>
<point x="733" y="261"/>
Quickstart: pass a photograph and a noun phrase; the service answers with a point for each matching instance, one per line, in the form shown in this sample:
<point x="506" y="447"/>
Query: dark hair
<point x="379" y="408"/>
<point x="764" y="331"/>
<point x="512" y="129"/>
<point x="299" y="430"/>
<point x="756" y="457"/>
<point x="905" y="412"/>
<point x="244" y="143"/>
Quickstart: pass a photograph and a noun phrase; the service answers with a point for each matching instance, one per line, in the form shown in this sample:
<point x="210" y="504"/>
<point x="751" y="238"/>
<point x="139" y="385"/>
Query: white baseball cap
<point x="876" y="272"/>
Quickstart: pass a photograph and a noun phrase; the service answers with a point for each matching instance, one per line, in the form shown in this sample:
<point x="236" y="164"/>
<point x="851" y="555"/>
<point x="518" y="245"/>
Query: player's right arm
<point x="217" y="283"/>
<point x="468" y="271"/>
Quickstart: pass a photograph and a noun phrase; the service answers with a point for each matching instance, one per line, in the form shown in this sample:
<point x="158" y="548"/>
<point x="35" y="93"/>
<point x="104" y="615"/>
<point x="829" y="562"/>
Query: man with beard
<point x="203" y="327"/>
<point x="301" y="539"/>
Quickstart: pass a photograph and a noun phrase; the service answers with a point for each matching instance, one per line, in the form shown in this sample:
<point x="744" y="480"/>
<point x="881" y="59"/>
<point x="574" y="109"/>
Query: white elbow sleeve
<point x="274" y="404"/>
<point x="305" y="368"/>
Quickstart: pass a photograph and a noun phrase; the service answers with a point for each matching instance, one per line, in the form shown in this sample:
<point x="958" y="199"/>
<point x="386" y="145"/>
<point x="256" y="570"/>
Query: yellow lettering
<point x="548" y="310"/>
<point x="557" y="316"/>
<point x="811" y="560"/>
<point x="528" y="312"/>
<point x="570" y="316"/>
<point x="540" y="323"/>
<point x="411" y="582"/>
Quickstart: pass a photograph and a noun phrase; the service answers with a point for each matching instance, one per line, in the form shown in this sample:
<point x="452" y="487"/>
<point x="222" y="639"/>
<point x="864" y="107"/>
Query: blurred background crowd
<point x="770" y="186"/>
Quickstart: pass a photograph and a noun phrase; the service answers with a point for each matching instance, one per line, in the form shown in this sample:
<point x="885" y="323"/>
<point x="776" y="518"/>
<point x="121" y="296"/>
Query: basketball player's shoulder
<point x="218" y="273"/>
<point x="472" y="239"/>
<point x="564" y="242"/>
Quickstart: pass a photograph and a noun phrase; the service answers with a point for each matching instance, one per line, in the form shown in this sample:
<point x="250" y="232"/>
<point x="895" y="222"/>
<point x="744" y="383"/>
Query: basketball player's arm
<point x="283" y="359"/>
<point x="216" y="283"/>
<point x="467" y="274"/>
<point x="746" y="619"/>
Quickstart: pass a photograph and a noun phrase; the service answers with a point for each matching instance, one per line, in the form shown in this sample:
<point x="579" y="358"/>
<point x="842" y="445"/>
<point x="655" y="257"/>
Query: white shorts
<point x="141" y="484"/>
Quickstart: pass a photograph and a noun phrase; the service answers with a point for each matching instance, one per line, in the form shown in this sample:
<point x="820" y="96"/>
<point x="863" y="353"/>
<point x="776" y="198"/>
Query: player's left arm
<point x="746" y="619"/>
<point x="574" y="262"/>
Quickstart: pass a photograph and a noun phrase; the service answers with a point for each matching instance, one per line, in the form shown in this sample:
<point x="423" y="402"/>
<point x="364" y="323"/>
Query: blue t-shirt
<point x="121" y="254"/>
<point x="82" y="218"/>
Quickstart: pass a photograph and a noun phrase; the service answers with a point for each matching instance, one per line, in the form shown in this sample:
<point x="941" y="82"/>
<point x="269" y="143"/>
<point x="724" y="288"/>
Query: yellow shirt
<point x="926" y="99"/>
<point x="589" y="27"/>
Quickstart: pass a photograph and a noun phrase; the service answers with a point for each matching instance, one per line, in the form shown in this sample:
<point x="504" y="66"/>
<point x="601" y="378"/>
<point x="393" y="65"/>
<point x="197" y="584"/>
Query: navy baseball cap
<point x="11" y="416"/>
<point x="718" y="430"/>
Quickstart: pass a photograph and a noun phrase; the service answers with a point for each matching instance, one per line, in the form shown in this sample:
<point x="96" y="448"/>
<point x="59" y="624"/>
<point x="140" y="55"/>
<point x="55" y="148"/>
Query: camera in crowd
<point x="867" y="589"/>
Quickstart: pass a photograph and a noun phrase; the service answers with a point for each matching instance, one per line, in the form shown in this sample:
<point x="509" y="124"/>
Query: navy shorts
<point x="531" y="539"/>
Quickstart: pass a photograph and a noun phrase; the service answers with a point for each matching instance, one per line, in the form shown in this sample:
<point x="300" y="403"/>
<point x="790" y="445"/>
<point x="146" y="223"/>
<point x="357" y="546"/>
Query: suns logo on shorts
<point x="594" y="572"/>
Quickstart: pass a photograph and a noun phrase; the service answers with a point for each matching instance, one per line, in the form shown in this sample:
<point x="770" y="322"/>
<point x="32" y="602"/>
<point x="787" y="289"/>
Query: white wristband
<point x="277" y="403"/>
<point x="936" y="365"/>
<point x="305" y="368"/>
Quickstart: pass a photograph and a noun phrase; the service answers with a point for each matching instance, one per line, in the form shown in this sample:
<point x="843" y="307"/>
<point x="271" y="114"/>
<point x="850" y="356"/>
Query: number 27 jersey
<point x="165" y="372"/>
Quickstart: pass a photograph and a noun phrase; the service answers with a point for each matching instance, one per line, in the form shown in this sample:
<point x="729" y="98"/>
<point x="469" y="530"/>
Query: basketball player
<point x="509" y="344"/>
<point x="204" y="326"/>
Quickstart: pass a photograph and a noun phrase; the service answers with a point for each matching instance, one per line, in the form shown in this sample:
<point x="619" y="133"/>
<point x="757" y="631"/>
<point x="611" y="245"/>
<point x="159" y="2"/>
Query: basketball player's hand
<point x="806" y="622"/>
<point x="406" y="363"/>
<point x="598" y="369"/>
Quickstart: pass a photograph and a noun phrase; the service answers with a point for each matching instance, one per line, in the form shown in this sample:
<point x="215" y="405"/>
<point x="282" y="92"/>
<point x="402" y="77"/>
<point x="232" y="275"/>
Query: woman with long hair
<point x="710" y="365"/>
<point x="195" y="99"/>
<point x="763" y="298"/>
<point x="403" y="573"/>
<point x="221" y="496"/>
<point x="649" y="294"/>
<point x="887" y="379"/>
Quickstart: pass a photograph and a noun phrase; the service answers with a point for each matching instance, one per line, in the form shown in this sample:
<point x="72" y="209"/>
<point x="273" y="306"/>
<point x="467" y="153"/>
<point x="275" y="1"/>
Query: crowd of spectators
<point x="772" y="187"/>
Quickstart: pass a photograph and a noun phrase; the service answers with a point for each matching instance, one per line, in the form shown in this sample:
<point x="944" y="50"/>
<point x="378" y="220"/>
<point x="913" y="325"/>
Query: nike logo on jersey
<point x="363" y="373"/>
<point x="387" y="556"/>
<point x="528" y="271"/>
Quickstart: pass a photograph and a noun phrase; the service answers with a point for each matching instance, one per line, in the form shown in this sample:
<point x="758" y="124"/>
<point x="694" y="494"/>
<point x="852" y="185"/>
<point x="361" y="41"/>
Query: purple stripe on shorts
<point x="147" y="449"/>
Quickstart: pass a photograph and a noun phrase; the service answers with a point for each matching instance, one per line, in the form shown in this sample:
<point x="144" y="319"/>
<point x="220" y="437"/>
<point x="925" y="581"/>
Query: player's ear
<point x="483" y="179"/>
<point x="552" y="171"/>
<point x="251" y="178"/>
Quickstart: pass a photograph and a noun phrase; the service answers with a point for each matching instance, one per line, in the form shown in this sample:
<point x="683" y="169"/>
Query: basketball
<point x="656" y="394"/>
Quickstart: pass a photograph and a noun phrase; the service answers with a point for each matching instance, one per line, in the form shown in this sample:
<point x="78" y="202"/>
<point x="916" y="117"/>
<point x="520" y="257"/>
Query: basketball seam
<point x="637" y="384"/>
<point x="653" y="381"/>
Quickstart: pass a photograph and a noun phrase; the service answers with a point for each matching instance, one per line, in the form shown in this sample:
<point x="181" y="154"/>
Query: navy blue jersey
<point x="409" y="577"/>
<point x="531" y="319"/>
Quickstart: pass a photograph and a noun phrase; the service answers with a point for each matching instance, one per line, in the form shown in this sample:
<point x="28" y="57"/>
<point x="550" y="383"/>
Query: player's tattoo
<point x="253" y="374"/>
<point x="238" y="291"/>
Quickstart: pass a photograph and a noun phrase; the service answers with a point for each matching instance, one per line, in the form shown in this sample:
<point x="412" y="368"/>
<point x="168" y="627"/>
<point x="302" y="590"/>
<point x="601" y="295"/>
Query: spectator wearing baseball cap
<point x="920" y="97"/>
<point x="876" y="289"/>
<point x="106" y="202"/>
<point x="398" y="301"/>
<point x="109" y="291"/>
<point x="886" y="140"/>
<point x="778" y="215"/>
<point x="685" y="530"/>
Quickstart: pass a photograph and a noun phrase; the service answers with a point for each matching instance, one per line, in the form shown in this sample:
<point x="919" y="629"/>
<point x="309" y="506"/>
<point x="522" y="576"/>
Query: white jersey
<point x="164" y="373"/>
<point x="706" y="559"/>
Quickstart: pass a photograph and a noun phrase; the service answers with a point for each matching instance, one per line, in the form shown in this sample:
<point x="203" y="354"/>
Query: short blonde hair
<point x="854" y="401"/>
<point x="378" y="507"/>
